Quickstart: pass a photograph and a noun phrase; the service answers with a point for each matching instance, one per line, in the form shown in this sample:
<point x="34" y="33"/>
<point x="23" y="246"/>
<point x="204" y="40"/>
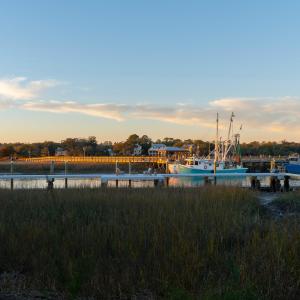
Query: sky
<point x="79" y="68"/>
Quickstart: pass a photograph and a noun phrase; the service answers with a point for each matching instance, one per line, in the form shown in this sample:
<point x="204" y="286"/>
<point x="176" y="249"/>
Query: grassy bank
<point x="81" y="167"/>
<point x="210" y="243"/>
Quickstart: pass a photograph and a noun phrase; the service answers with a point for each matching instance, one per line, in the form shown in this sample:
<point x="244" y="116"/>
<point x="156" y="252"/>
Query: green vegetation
<point x="90" y="147"/>
<point x="198" y="243"/>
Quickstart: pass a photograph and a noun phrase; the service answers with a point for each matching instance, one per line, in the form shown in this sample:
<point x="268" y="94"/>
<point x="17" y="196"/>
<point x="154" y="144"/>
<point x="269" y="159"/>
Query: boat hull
<point x="188" y="170"/>
<point x="292" y="168"/>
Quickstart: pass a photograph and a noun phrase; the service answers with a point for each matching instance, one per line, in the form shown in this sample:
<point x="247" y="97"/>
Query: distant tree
<point x="7" y="150"/>
<point x="145" y="142"/>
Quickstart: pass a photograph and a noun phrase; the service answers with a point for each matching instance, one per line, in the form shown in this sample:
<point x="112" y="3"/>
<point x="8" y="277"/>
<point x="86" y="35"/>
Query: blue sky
<point x="163" y="68"/>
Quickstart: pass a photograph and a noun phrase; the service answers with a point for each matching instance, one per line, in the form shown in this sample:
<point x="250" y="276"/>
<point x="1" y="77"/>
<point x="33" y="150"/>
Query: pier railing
<point x="98" y="159"/>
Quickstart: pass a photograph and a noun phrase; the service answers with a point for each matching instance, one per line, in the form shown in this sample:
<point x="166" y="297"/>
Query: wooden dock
<point x="158" y="179"/>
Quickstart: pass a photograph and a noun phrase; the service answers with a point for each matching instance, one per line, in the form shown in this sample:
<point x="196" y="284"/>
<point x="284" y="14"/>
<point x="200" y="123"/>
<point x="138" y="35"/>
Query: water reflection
<point x="96" y="183"/>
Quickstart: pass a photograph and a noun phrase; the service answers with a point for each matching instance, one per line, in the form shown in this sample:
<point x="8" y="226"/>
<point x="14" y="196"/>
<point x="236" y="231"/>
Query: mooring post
<point x="277" y="184"/>
<point x="129" y="183"/>
<point x="286" y="184"/>
<point x="167" y="179"/>
<point x="117" y="183"/>
<point x="66" y="171"/>
<point x="253" y="180"/>
<point x="273" y="184"/>
<point x="11" y="173"/>
<point x="257" y="184"/>
<point x="50" y="184"/>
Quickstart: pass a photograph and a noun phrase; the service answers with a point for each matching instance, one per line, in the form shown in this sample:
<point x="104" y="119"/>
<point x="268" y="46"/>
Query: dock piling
<point x="286" y="184"/>
<point x="50" y="184"/>
<point x="273" y="184"/>
<point x="254" y="182"/>
<point x="66" y="183"/>
<point x="11" y="173"/>
<point x="167" y="180"/>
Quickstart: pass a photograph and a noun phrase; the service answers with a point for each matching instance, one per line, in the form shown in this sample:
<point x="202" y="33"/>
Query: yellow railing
<point x="98" y="159"/>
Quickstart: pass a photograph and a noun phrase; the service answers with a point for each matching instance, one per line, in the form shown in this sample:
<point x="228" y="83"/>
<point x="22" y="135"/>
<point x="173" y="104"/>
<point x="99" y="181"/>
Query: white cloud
<point x="271" y="115"/>
<point x="103" y="110"/>
<point x="19" y="88"/>
<point x="260" y="116"/>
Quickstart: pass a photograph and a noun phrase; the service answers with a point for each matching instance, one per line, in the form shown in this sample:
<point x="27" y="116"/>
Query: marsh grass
<point x="198" y="243"/>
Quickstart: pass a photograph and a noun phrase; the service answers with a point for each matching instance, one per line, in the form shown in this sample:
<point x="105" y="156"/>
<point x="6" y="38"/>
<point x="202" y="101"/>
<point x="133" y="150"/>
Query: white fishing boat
<point x="226" y="156"/>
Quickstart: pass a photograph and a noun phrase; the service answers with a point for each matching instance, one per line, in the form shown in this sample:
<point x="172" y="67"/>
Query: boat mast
<point x="230" y="133"/>
<point x="217" y="140"/>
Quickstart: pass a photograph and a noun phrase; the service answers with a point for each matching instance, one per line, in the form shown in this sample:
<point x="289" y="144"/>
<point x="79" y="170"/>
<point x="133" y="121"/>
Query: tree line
<point x="91" y="147"/>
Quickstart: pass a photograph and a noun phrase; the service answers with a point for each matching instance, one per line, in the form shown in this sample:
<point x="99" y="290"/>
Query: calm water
<point x="96" y="183"/>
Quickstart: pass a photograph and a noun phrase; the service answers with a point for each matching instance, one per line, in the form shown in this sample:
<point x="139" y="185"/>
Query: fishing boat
<point x="226" y="156"/>
<point x="293" y="166"/>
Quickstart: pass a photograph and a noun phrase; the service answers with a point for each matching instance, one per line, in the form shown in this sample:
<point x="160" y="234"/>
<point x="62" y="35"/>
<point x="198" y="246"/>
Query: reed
<point x="197" y="243"/>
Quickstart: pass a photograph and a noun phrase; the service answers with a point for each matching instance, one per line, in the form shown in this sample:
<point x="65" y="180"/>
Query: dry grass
<point x="83" y="167"/>
<point x="200" y="243"/>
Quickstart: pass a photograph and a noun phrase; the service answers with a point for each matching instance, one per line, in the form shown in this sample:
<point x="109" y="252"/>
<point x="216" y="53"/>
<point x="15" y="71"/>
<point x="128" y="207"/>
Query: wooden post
<point x="286" y="184"/>
<point x="66" y="171"/>
<point x="11" y="173"/>
<point x="50" y="184"/>
<point x="273" y="184"/>
<point x="167" y="179"/>
<point x="66" y="182"/>
<point x="257" y="184"/>
<point x="253" y="182"/>
<point x="129" y="183"/>
<point x="117" y="183"/>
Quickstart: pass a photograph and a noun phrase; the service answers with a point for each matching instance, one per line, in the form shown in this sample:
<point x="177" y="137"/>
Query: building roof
<point x="173" y="149"/>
